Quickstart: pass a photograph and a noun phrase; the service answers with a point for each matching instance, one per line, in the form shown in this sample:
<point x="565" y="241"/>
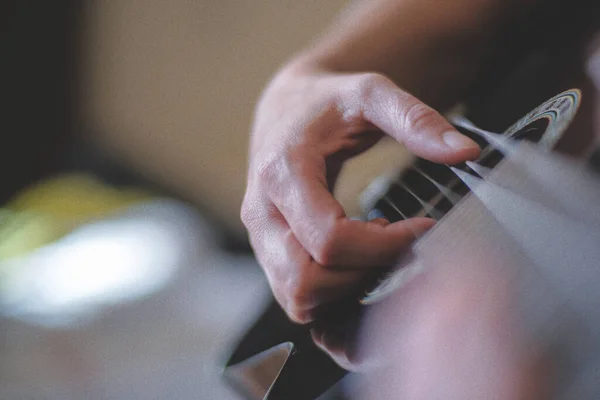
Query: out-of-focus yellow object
<point x="52" y="208"/>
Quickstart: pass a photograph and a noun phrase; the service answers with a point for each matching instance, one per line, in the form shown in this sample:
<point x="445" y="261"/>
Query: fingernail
<point x="380" y="221"/>
<point x="458" y="141"/>
<point x="375" y="213"/>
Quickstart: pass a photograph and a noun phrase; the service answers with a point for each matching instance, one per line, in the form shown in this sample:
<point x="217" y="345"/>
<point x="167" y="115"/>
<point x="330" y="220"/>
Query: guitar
<point x="429" y="189"/>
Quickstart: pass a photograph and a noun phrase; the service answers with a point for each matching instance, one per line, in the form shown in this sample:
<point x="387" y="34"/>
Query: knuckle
<point x="365" y="92"/>
<point x="324" y="254"/>
<point x="368" y="84"/>
<point x="277" y="170"/>
<point x="417" y="116"/>
<point x="294" y="313"/>
<point x="325" y="248"/>
<point x="250" y="211"/>
<point x="297" y="316"/>
<point x="293" y="289"/>
<point x="267" y="170"/>
<point x="247" y="214"/>
<point x="300" y="296"/>
<point x="292" y="299"/>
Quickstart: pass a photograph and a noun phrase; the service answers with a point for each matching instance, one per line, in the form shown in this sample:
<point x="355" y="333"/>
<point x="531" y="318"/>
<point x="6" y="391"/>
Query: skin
<point x="383" y="69"/>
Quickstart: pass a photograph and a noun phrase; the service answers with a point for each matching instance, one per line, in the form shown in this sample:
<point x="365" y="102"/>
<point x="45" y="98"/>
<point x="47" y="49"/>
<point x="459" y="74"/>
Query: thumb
<point x="404" y="117"/>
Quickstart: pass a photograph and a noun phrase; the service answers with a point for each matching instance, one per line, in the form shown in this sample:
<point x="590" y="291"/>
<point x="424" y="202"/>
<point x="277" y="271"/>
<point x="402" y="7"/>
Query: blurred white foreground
<point x="141" y="306"/>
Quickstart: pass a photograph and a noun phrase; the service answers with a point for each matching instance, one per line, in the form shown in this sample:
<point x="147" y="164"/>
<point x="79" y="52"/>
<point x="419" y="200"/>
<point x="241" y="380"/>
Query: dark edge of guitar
<point x="296" y="381"/>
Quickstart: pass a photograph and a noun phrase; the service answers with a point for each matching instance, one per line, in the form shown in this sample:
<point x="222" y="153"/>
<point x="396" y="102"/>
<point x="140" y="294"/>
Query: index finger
<point x="320" y="224"/>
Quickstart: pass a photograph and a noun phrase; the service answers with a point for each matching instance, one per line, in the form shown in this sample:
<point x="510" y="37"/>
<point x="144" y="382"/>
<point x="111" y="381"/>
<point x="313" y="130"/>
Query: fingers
<point x="422" y="129"/>
<point x="310" y="251"/>
<point x="299" y="283"/>
<point x="319" y="223"/>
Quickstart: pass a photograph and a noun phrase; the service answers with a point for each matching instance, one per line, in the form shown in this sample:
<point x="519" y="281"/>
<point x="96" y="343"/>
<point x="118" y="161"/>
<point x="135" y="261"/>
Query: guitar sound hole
<point x="532" y="132"/>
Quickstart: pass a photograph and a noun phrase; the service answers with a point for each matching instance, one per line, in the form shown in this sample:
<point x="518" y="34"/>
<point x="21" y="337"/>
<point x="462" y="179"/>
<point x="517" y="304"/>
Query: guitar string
<point x="502" y="143"/>
<point x="427" y="208"/>
<point x="391" y="203"/>
<point x="443" y="191"/>
<point x="495" y="142"/>
<point x="453" y="197"/>
<point x="469" y="180"/>
<point x="481" y="170"/>
<point x="446" y="193"/>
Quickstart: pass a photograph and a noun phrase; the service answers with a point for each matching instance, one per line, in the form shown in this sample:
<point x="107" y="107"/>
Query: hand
<point x="307" y="123"/>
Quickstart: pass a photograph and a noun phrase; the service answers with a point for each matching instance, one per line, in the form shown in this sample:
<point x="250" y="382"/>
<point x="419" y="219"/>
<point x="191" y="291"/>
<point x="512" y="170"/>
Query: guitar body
<point x="556" y="57"/>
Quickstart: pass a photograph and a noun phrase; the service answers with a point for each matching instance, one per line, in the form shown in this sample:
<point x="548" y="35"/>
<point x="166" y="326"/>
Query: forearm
<point x="433" y="49"/>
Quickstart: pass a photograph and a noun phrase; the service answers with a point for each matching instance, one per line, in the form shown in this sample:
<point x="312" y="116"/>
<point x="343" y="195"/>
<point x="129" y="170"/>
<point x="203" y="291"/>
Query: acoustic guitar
<point x="551" y="61"/>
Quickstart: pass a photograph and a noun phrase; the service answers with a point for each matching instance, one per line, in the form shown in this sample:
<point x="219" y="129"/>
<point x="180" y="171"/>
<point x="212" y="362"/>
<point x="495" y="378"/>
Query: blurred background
<point x="125" y="272"/>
